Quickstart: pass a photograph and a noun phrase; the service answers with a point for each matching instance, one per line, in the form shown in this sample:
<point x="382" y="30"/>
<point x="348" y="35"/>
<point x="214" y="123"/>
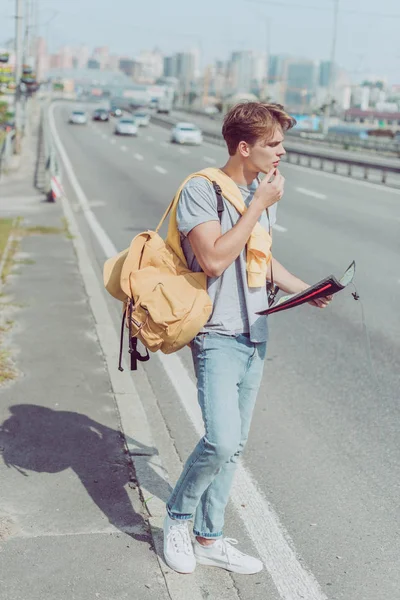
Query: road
<point x="322" y="149"/>
<point x="323" y="449"/>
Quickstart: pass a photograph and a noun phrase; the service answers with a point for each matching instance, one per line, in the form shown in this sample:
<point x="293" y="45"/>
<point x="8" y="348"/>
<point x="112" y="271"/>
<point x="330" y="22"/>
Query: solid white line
<point x="149" y="138"/>
<point x="124" y="148"/>
<point x="259" y="518"/>
<point x="311" y="193"/>
<point x="97" y="229"/>
<point x="279" y="228"/>
<point x="273" y="543"/>
<point x="161" y="170"/>
<point x="209" y="160"/>
<point x="138" y="156"/>
<point x="128" y="401"/>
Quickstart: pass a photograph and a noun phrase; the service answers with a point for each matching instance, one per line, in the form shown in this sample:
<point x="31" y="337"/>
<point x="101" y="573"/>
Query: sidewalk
<point x="72" y="523"/>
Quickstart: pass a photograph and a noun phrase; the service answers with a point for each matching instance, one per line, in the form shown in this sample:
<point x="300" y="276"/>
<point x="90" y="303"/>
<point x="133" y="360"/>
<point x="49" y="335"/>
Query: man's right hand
<point x="269" y="192"/>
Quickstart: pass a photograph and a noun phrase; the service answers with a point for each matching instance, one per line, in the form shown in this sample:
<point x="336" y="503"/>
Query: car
<point x="100" y="114"/>
<point x="78" y="117"/>
<point x="115" y="111"/>
<point x="186" y="133"/>
<point x="142" y="118"/>
<point x="126" y="126"/>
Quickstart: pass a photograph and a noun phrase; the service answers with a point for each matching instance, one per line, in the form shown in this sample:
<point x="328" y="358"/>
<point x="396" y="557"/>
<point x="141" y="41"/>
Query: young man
<point x="229" y="352"/>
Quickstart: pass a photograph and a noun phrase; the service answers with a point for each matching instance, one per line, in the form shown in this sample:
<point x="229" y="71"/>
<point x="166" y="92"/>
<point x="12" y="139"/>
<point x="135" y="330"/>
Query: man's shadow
<point x="36" y="438"/>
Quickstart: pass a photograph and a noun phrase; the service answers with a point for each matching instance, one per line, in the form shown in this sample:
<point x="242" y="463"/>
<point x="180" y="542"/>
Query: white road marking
<point x="138" y="156"/>
<point x="259" y="518"/>
<point x="104" y="136"/>
<point x="184" y="151"/>
<point x="164" y="144"/>
<point x="149" y="138"/>
<point x="279" y="228"/>
<point x="311" y="193"/>
<point x="209" y="160"/>
<point x="161" y="170"/>
<point x="124" y="390"/>
<point x="124" y="148"/>
<point x="272" y="542"/>
<point x="113" y="141"/>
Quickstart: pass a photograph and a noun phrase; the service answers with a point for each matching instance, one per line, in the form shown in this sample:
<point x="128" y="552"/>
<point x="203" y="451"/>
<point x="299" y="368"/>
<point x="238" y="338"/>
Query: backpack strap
<point x="220" y="206"/>
<point x="220" y="202"/>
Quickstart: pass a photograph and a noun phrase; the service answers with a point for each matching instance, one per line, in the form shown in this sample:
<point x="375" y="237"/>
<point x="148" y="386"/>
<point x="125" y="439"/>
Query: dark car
<point x="115" y="111"/>
<point x="100" y="114"/>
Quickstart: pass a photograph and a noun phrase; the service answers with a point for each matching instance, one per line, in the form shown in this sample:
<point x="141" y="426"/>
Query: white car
<point x="126" y="126"/>
<point x="142" y="119"/>
<point x="78" y="117"/>
<point x="186" y="133"/>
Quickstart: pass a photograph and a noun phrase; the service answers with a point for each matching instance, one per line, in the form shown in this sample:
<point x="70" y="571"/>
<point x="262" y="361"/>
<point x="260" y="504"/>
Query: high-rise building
<point x="169" y="66"/>
<point x="277" y="65"/>
<point x="83" y="55"/>
<point x="42" y="59"/>
<point x="301" y="83"/>
<point x="127" y="66"/>
<point x="66" y="56"/>
<point x="93" y="64"/>
<point x="185" y="70"/>
<point x="101" y="54"/>
<point x="152" y="65"/>
<point x="241" y="71"/>
<point x="325" y="73"/>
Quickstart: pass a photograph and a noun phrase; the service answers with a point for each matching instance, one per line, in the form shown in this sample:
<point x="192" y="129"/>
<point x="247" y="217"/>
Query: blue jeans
<point x="229" y="371"/>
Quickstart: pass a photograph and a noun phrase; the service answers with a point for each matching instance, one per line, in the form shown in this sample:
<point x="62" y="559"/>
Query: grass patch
<point x="7" y="373"/>
<point x="46" y="230"/>
<point x="9" y="262"/>
<point x="42" y="230"/>
<point x="6" y="226"/>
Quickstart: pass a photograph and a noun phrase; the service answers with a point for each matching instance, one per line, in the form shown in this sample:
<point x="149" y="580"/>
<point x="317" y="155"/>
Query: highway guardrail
<point x="317" y="159"/>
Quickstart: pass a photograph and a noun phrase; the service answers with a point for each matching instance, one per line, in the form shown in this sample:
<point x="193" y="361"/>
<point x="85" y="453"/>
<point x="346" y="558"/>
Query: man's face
<point x="266" y="153"/>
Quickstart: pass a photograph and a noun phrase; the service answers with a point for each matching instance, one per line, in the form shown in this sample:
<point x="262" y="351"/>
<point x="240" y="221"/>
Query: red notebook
<point x="326" y="287"/>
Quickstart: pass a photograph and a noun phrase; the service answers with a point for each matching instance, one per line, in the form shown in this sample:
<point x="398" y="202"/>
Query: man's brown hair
<point x="249" y="121"/>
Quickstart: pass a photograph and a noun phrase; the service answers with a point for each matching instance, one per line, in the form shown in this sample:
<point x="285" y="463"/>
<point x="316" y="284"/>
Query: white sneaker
<point x="222" y="554"/>
<point x="178" y="549"/>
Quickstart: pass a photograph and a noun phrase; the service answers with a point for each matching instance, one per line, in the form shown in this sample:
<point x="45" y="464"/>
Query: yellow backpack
<point x="165" y="303"/>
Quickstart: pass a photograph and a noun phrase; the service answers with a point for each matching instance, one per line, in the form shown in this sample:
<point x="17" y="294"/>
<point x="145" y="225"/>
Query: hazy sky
<point x="368" y="33"/>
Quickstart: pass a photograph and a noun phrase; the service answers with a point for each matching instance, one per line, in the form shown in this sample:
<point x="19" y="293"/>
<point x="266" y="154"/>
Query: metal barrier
<point x="346" y="142"/>
<point x="6" y="151"/>
<point x="47" y="172"/>
<point x="322" y="157"/>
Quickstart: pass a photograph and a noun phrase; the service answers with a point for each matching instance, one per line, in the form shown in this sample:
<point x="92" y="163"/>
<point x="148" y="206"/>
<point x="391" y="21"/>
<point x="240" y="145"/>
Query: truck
<point x="164" y="105"/>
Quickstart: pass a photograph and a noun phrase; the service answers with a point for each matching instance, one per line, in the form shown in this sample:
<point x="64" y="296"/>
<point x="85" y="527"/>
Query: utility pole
<point x="18" y="73"/>
<point x="268" y="51"/>
<point x="331" y="81"/>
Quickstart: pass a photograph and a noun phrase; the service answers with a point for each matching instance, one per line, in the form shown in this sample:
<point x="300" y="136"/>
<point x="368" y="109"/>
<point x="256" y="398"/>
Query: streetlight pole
<point x="331" y="80"/>
<point x="18" y="74"/>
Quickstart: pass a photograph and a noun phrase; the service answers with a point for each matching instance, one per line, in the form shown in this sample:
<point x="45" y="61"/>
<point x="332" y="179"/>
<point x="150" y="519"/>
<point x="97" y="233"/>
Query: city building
<point x="373" y="119"/>
<point x="301" y="84"/>
<point x="152" y="66"/>
<point x="277" y="66"/>
<point x="325" y="73"/>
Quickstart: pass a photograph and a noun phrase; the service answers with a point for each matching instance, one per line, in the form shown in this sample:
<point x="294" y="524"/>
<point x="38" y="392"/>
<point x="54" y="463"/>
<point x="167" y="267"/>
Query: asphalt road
<point x="322" y="149"/>
<point x="324" y="446"/>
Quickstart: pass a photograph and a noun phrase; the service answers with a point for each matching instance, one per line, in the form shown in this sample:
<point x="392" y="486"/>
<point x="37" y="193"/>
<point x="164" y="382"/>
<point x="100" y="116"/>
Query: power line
<point x="325" y="8"/>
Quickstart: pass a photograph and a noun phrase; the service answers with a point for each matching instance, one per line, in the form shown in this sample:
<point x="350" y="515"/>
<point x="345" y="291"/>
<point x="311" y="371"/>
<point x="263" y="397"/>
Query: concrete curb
<point x="130" y="409"/>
